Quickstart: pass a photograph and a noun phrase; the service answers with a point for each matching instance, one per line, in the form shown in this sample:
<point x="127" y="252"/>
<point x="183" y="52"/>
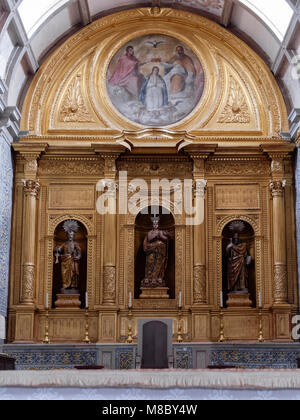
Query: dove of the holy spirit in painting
<point x="155" y="80"/>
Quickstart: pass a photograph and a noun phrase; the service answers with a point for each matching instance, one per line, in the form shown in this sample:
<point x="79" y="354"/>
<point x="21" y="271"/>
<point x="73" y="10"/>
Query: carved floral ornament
<point x="31" y="188"/>
<point x="85" y="73"/>
<point x="277" y="188"/>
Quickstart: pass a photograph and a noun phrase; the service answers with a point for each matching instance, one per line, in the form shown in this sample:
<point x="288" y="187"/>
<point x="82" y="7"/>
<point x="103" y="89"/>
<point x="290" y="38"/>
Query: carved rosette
<point x="200" y="284"/>
<point x="31" y="188"/>
<point x="109" y="284"/>
<point x="277" y="188"/>
<point x="280" y="284"/>
<point x="28" y="283"/>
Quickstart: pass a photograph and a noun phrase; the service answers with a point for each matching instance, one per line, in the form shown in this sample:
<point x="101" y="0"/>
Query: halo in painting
<point x="155" y="80"/>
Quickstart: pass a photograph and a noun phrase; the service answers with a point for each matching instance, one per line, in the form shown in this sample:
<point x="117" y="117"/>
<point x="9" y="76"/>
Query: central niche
<point x="155" y="80"/>
<point x="143" y="225"/>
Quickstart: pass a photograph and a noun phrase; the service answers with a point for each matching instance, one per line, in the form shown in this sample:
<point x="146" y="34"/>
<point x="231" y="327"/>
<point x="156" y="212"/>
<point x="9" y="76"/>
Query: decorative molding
<point x="28" y="280"/>
<point x="86" y="220"/>
<point x="280" y="283"/>
<point x="72" y="166"/>
<point x="238" y="166"/>
<point x="73" y="108"/>
<point x="236" y="109"/>
<point x="253" y="221"/>
<point x="277" y="188"/>
<point x="156" y="167"/>
<point x="90" y="50"/>
<point x="200" y="284"/>
<point x="109" y="284"/>
<point x="31" y="188"/>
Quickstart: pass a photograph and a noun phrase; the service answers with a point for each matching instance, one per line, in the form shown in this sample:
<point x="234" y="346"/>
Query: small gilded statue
<point x="70" y="255"/>
<point x="238" y="260"/>
<point x="156" y="247"/>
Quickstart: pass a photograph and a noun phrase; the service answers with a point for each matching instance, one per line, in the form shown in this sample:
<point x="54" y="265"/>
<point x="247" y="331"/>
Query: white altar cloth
<point x="154" y="384"/>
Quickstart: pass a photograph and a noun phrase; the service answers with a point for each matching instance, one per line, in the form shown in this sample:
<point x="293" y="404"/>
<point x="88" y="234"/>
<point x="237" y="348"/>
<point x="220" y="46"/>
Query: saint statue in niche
<point x="238" y="261"/>
<point x="155" y="96"/>
<point x="156" y="247"/>
<point x="69" y="254"/>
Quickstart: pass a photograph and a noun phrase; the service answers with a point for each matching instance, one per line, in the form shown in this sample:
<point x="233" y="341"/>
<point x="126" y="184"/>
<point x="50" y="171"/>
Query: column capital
<point x="277" y="188"/>
<point x="30" y="153"/>
<point x="31" y="187"/>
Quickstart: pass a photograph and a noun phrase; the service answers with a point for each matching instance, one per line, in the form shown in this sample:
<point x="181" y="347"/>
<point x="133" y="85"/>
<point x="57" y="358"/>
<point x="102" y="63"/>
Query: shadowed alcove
<point x="60" y="237"/>
<point x="246" y="236"/>
<point x="143" y="225"/>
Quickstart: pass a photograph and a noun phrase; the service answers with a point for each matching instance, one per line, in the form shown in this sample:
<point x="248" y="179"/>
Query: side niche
<point x="69" y="265"/>
<point x="239" y="265"/>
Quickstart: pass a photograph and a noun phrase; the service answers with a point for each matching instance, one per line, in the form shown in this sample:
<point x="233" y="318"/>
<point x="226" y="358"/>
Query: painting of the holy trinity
<point x="155" y="80"/>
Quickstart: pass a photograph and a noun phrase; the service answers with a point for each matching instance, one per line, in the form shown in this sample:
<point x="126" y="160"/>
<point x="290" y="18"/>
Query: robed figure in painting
<point x="127" y="73"/>
<point x="156" y="247"/>
<point x="238" y="262"/>
<point x="154" y="93"/>
<point x="70" y="255"/>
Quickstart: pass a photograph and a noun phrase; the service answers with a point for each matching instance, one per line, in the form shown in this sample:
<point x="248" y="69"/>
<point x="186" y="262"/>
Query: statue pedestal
<point x="65" y="301"/>
<point x="157" y="293"/>
<point x="239" y="300"/>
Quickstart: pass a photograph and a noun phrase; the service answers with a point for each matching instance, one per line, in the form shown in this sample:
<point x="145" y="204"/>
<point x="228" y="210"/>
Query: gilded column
<point x="31" y="190"/>
<point x="200" y="290"/>
<point x="199" y="153"/>
<point x="277" y="186"/>
<point x="110" y="233"/>
<point x="110" y="154"/>
<point x="279" y="232"/>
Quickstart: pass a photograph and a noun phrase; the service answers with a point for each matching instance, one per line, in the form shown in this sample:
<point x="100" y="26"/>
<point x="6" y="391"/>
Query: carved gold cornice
<point x="278" y="154"/>
<point x="30" y="153"/>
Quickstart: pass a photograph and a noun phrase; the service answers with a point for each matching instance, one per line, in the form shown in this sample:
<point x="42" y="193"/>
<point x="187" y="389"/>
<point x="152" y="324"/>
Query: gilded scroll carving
<point x="158" y="169"/>
<point x="236" y="109"/>
<point x="109" y="284"/>
<point x="280" y="283"/>
<point x="28" y="283"/>
<point x="73" y="108"/>
<point x="71" y="166"/>
<point x="200" y="284"/>
<point x="277" y="188"/>
<point x="31" y="188"/>
<point x="237" y="167"/>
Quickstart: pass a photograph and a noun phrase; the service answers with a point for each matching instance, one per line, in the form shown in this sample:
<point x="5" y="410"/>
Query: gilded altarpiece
<point x="226" y="140"/>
